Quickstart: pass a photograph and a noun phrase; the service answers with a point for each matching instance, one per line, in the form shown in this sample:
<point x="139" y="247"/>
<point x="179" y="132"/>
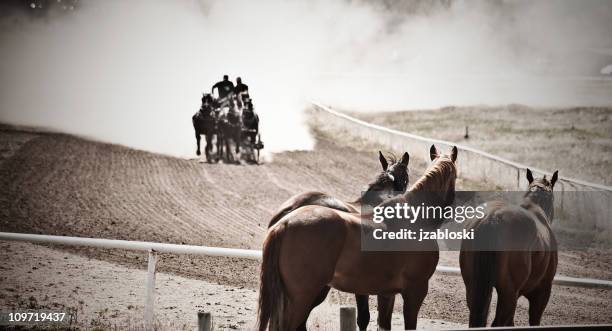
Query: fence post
<point x="150" y="291"/>
<point x="204" y="321"/>
<point x="348" y="318"/>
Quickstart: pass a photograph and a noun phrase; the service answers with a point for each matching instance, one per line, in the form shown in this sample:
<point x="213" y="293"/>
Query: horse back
<point x="309" y="198"/>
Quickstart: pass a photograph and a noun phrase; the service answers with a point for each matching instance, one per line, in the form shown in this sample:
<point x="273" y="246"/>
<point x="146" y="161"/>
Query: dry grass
<point x="577" y="141"/>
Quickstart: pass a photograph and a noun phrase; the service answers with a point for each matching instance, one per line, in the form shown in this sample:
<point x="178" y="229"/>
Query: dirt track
<point x="59" y="184"/>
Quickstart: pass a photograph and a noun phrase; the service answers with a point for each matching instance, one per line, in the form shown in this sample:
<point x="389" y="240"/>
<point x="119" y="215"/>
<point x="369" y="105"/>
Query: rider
<point x="224" y="88"/>
<point x="241" y="90"/>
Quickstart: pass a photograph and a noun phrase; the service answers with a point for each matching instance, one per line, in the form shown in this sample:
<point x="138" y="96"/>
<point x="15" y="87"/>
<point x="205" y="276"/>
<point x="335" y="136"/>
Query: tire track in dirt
<point x="224" y="209"/>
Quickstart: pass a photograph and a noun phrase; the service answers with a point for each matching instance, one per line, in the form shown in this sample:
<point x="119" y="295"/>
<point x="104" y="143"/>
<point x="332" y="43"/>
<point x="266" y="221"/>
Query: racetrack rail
<point x="227" y="252"/>
<point x="583" y="211"/>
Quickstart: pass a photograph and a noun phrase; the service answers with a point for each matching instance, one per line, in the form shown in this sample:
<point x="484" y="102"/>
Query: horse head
<point x="207" y="100"/>
<point x="540" y="192"/>
<point x="392" y="180"/>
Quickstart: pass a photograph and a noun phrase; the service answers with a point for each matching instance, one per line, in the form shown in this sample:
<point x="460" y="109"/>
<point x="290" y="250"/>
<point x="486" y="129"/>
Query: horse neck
<point x="374" y="197"/>
<point x="205" y="110"/>
<point x="428" y="183"/>
<point x="433" y="188"/>
<point x="544" y="202"/>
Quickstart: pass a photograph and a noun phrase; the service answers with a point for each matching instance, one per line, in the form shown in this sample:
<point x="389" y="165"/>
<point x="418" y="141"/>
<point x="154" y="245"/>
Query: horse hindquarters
<point x="301" y="259"/>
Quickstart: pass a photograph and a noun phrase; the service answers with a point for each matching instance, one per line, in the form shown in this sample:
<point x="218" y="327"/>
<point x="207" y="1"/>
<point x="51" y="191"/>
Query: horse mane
<point x="436" y="176"/>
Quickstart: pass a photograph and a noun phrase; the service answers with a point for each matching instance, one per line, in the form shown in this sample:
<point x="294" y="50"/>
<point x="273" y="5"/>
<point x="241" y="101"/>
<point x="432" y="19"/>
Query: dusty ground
<point x="59" y="184"/>
<point x="577" y="141"/>
<point x="107" y="296"/>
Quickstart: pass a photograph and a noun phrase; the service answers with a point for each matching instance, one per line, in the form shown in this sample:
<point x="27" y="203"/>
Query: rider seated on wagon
<point x="241" y="91"/>
<point x="224" y="88"/>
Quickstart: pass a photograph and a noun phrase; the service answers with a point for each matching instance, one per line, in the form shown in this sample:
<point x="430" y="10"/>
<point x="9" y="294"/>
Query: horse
<point x="392" y="179"/>
<point x="250" y="121"/>
<point x="230" y="129"/>
<point x="516" y="255"/>
<point x="204" y="123"/>
<point x="314" y="247"/>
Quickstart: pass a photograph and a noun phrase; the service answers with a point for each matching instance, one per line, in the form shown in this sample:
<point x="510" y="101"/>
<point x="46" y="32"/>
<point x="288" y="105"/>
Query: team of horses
<point x="228" y="127"/>
<point x="313" y="243"/>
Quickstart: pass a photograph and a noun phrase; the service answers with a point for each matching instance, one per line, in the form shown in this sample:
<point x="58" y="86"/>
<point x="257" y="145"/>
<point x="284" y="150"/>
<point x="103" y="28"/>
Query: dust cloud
<point x="132" y="72"/>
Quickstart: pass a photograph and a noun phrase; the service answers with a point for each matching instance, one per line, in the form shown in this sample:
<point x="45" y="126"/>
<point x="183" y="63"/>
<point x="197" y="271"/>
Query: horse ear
<point x="554" y="178"/>
<point x="383" y="161"/>
<point x="405" y="159"/>
<point x="454" y="153"/>
<point x="433" y="152"/>
<point x="529" y="176"/>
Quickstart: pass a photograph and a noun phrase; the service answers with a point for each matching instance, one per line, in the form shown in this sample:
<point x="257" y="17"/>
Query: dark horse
<point x="314" y="247"/>
<point x="230" y="132"/>
<point x="393" y="179"/>
<point x="250" y="120"/>
<point x="516" y="255"/>
<point x="204" y="123"/>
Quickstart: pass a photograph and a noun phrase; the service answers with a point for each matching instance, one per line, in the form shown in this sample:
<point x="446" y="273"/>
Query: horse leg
<point x="219" y="147"/>
<point x="506" y="306"/>
<point x="508" y="285"/>
<point x="238" y="139"/>
<point x="363" y="311"/>
<point x="413" y="299"/>
<point x="320" y="298"/>
<point x="538" y="299"/>
<point x="299" y="307"/>
<point x="385" y="311"/>
<point x="197" y="135"/>
<point x="228" y="151"/>
<point x="208" y="147"/>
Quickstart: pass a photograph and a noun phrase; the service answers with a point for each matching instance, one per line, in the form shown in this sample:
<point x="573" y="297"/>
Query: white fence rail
<point x="224" y="252"/>
<point x="593" y="212"/>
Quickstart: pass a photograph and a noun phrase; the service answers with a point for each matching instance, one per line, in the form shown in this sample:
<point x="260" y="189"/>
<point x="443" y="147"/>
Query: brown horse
<point x="391" y="181"/>
<point x="314" y="247"/>
<point x="514" y="251"/>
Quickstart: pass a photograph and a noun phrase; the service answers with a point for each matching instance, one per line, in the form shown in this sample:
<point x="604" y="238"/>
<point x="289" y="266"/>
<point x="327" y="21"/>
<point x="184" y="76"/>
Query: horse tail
<point x="485" y="268"/>
<point x="271" y="289"/>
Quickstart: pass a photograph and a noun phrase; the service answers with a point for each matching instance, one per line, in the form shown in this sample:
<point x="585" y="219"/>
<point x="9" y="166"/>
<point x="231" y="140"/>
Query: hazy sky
<point x="133" y="72"/>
